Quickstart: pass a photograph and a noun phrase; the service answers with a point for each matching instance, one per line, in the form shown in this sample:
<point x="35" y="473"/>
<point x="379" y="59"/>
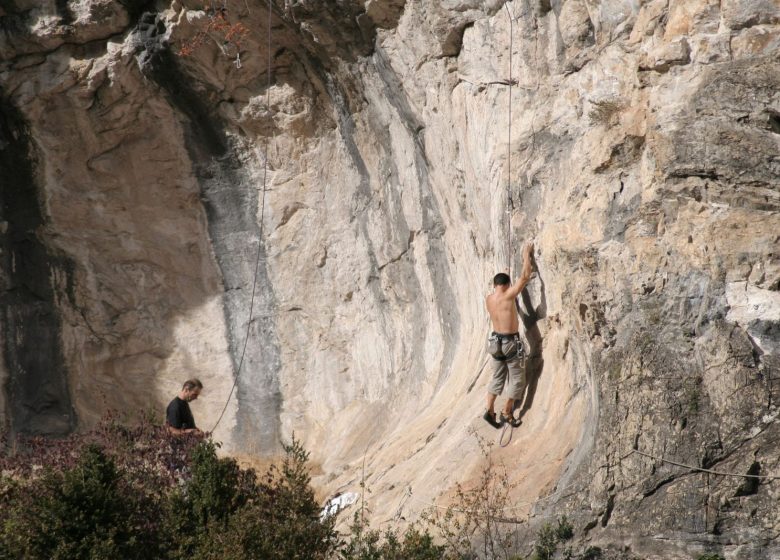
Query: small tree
<point x="479" y="522"/>
<point x="275" y="518"/>
<point x="550" y="536"/>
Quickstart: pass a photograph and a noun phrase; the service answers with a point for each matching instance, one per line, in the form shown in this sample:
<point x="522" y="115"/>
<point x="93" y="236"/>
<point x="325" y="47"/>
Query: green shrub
<point x="278" y="517"/>
<point x="202" y="507"/>
<point x="549" y="536"/>
<point x="592" y="553"/>
<point x="415" y="545"/>
<point x="366" y="544"/>
<point x="710" y="557"/>
<point x="546" y="543"/>
<point x="363" y="543"/>
<point x="138" y="493"/>
<point x="564" y="531"/>
<point x="84" y="512"/>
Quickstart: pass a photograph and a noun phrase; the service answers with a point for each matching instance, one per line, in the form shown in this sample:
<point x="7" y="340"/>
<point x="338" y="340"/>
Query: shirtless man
<point x="504" y="344"/>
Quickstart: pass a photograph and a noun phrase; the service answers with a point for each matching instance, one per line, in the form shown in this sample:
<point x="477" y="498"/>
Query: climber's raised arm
<point x="525" y="275"/>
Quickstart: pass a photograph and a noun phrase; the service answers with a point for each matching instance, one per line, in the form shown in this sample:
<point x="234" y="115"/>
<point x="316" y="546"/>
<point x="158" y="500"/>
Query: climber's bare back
<point x="503" y="315"/>
<point x="501" y="303"/>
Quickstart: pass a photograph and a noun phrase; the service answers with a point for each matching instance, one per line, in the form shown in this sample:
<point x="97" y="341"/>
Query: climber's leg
<point x="495" y="386"/>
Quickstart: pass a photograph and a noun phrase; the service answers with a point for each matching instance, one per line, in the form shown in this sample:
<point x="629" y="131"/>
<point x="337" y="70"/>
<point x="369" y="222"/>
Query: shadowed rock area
<point x="143" y="190"/>
<point x="37" y="399"/>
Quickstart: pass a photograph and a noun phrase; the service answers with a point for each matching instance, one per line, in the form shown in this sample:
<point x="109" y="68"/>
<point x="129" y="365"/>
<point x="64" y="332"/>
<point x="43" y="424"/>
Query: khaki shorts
<point x="509" y="371"/>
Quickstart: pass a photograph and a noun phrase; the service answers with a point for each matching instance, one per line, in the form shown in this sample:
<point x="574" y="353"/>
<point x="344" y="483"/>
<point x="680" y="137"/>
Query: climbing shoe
<point x="511" y="420"/>
<point x="491" y="419"/>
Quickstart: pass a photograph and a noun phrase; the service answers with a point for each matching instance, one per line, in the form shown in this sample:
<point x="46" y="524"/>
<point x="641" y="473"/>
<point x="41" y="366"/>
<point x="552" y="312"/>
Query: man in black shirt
<point x="179" y="417"/>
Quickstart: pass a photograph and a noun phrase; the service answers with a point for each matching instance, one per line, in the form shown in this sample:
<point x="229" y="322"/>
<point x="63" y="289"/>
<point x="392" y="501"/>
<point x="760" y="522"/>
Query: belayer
<point x="504" y="344"/>
<point x="178" y="416"/>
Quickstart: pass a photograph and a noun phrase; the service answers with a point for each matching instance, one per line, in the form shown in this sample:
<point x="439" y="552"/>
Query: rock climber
<point x="504" y="344"/>
<point x="179" y="419"/>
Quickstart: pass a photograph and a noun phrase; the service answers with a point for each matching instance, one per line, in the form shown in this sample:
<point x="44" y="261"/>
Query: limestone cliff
<point x="642" y="155"/>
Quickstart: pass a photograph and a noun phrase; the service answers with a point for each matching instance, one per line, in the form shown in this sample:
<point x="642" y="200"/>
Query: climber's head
<point x="501" y="279"/>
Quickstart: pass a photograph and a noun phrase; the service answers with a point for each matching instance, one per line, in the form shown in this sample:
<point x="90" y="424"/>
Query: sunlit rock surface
<point x="643" y="158"/>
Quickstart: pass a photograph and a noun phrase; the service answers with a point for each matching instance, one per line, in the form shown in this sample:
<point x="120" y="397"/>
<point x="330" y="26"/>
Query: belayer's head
<point x="191" y="390"/>
<point x="501" y="280"/>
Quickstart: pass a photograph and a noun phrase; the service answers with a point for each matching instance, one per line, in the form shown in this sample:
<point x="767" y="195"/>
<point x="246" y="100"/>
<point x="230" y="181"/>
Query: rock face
<point x="373" y="190"/>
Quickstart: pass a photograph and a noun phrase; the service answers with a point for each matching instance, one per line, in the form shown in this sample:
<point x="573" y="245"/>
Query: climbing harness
<point x="496" y="346"/>
<point x="262" y="224"/>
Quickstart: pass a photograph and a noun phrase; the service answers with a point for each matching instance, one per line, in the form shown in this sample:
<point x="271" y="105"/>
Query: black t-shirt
<point x="179" y="415"/>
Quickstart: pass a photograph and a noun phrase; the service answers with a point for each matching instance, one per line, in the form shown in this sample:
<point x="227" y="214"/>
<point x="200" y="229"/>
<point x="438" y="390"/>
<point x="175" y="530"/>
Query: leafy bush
<point x="367" y="544"/>
<point x="592" y="553"/>
<point x="95" y="495"/>
<point x="85" y="512"/>
<point x="119" y="492"/>
<point x="546" y="543"/>
<point x="564" y="531"/>
<point x="278" y="517"/>
<point x="138" y="493"/>
<point x="549" y="536"/>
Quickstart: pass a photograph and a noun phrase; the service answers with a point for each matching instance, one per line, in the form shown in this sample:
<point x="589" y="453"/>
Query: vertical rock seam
<point x="231" y="203"/>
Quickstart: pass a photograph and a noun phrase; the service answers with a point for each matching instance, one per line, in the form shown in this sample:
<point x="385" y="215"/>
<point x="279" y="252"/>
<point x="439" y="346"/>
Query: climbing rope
<point x="509" y="206"/>
<point x="262" y="224"/>
<point x="557" y="493"/>
<point x="517" y="505"/>
<point x="399" y="510"/>
<point x="511" y="82"/>
<point x="501" y="441"/>
<point x="701" y="469"/>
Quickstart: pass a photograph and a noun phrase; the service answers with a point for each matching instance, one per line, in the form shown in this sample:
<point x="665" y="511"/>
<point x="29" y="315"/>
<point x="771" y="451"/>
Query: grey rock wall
<point x="641" y="156"/>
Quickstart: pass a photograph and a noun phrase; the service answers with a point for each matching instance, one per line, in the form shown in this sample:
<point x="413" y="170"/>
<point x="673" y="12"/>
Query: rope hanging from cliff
<point x="501" y="441"/>
<point x="519" y="505"/>
<point x="558" y="492"/>
<point x="703" y="470"/>
<point x="509" y="207"/>
<point x="260" y="233"/>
